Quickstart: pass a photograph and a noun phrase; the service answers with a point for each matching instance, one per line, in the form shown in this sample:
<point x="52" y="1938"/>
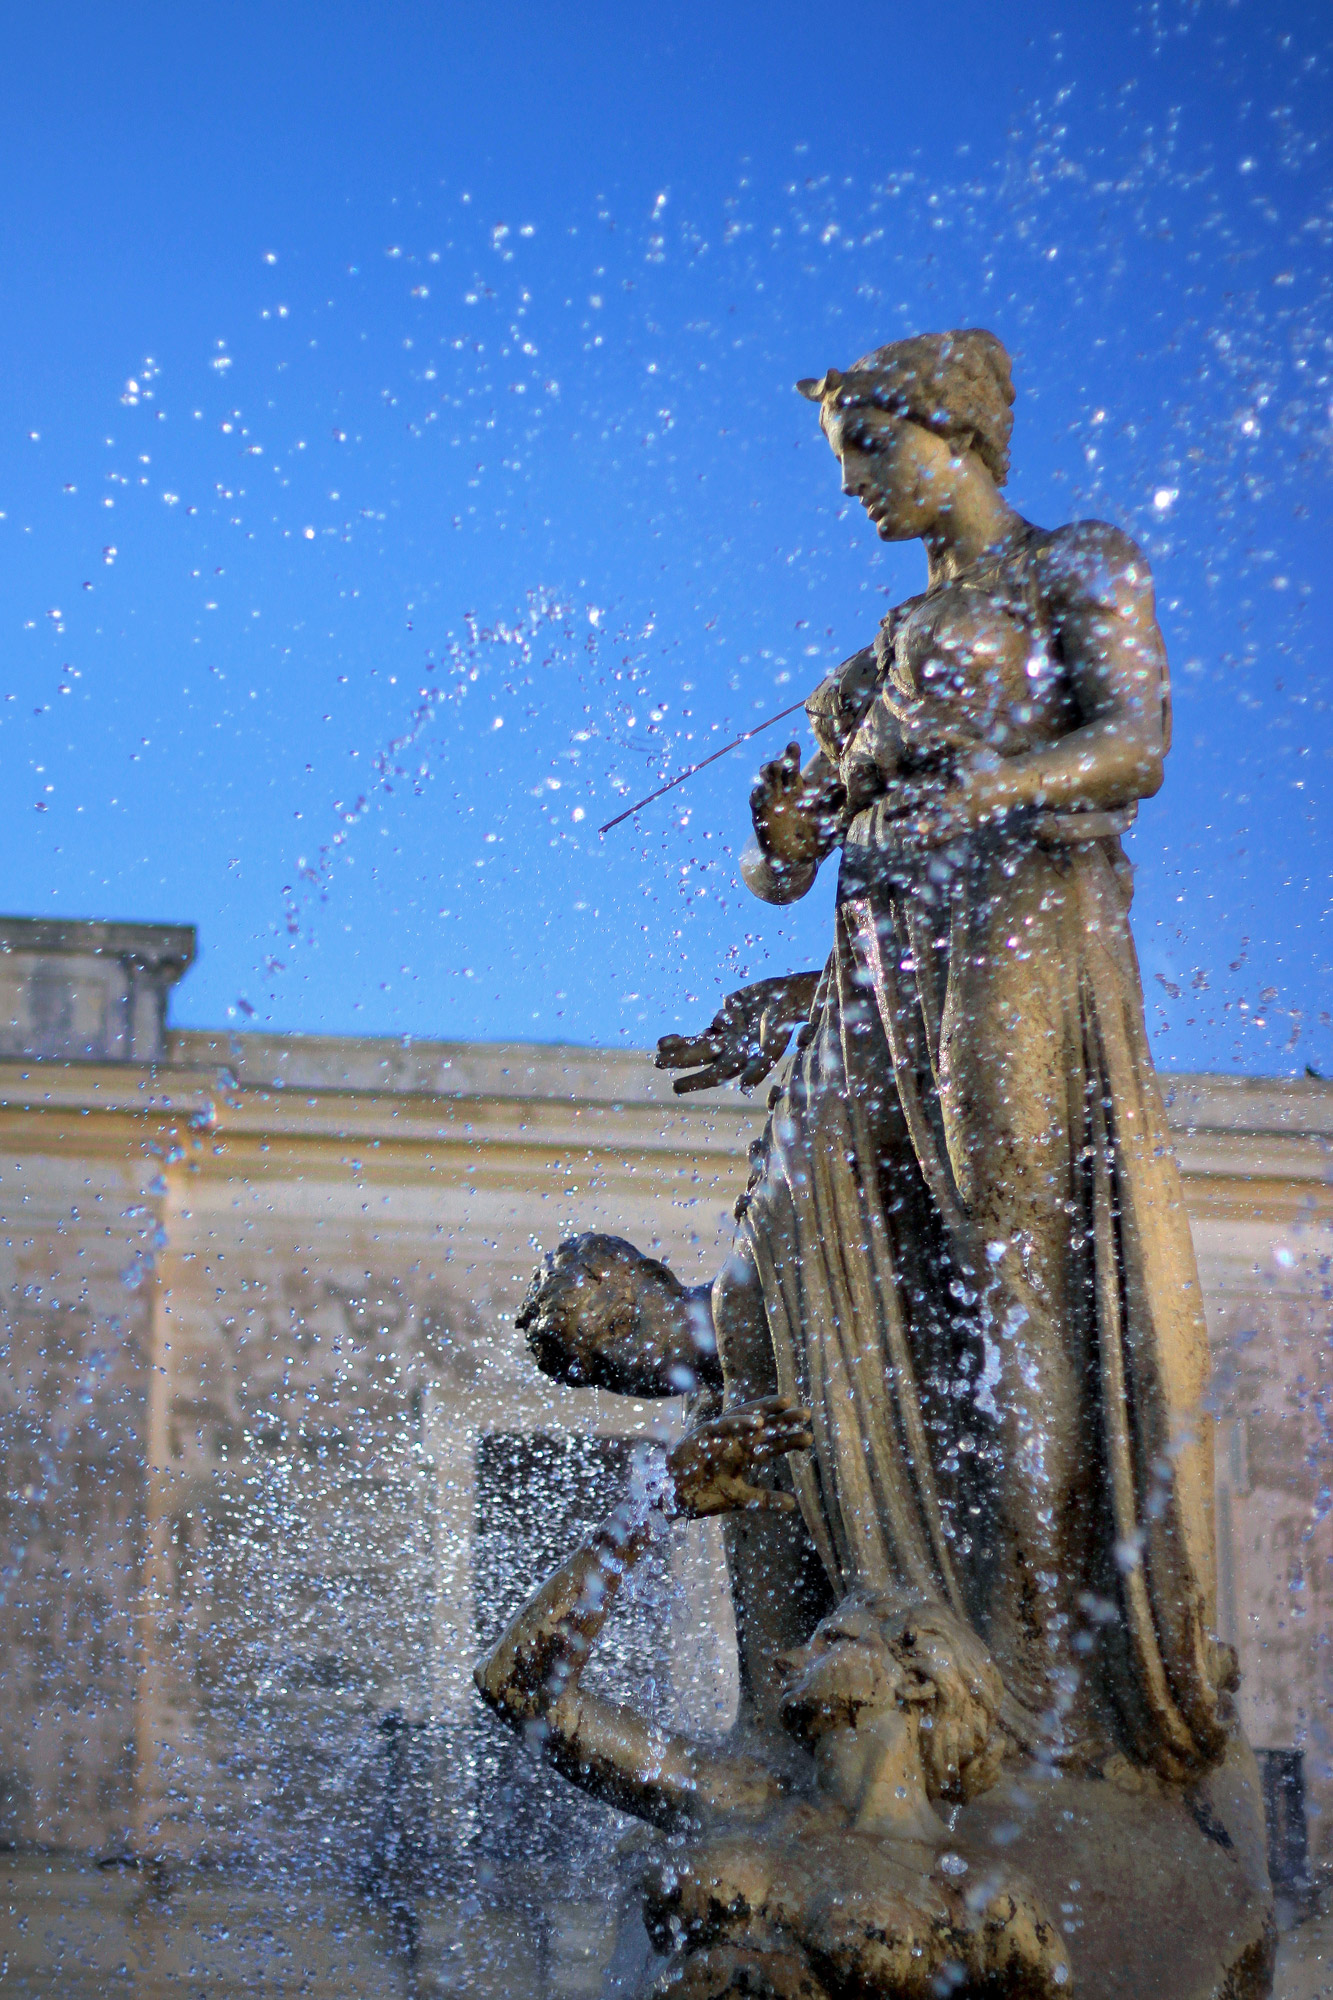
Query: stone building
<point x="268" y="1428"/>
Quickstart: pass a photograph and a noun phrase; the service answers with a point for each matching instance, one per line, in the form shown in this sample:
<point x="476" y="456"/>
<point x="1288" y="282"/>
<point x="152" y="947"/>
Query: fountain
<point x="950" y="1386"/>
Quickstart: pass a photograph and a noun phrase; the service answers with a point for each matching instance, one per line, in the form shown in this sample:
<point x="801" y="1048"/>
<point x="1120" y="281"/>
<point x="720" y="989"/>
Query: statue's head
<point x="600" y="1315"/>
<point x="907" y="421"/>
<point x="875" y="1653"/>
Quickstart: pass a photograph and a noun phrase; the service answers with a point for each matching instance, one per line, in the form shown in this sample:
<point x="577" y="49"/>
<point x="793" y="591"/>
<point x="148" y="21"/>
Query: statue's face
<point x="844" y="1672"/>
<point x="903" y="475"/>
<point x="589" y="1320"/>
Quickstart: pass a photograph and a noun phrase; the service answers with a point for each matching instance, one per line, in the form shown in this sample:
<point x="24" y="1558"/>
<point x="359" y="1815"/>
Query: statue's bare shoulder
<point x="1091" y="562"/>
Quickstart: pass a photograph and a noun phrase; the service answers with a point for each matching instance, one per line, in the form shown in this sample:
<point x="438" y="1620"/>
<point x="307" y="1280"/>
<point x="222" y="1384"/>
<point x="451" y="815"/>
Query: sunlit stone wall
<point x="263" y="1399"/>
<point x="88" y="989"/>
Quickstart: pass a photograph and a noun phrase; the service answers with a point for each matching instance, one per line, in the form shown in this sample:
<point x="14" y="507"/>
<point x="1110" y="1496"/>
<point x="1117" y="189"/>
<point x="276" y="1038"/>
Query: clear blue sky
<point x="333" y="333"/>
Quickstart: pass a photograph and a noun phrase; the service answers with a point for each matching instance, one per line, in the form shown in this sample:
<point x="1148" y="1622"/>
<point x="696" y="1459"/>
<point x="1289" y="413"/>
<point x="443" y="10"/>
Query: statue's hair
<point x="957" y="384"/>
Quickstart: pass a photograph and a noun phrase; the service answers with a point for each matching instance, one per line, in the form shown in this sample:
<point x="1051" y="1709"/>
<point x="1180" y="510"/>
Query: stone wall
<point x="88" y="990"/>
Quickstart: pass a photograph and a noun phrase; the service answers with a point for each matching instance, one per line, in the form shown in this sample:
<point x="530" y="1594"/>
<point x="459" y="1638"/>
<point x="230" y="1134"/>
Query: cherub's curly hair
<point x="957" y="384"/>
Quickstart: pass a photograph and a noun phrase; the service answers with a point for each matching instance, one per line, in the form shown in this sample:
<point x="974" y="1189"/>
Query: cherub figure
<point x="825" y="1871"/>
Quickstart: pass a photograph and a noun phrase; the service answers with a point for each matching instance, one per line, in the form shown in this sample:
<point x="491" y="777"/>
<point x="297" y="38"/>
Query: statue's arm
<point x="1098" y="587"/>
<point x="532" y="1676"/>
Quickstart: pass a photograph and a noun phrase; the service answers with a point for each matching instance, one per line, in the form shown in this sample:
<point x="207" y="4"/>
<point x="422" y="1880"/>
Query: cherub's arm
<point x="532" y="1675"/>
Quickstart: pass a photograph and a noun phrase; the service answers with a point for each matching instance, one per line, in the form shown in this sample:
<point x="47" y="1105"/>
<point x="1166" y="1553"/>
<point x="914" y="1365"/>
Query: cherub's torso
<point x="791" y="1878"/>
<point x="875" y="1915"/>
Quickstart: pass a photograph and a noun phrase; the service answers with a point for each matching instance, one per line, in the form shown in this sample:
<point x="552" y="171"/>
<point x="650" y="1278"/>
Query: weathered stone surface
<point x="71" y="1931"/>
<point x="92" y="990"/>
<point x="1160" y="1895"/>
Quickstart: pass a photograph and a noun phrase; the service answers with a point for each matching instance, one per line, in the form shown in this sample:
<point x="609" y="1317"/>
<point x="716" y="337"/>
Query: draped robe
<point x="889" y="1310"/>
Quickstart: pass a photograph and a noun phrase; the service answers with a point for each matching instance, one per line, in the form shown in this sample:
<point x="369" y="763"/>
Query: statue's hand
<point x="744" y="1039"/>
<point x="795" y="814"/>
<point x="715" y="1467"/>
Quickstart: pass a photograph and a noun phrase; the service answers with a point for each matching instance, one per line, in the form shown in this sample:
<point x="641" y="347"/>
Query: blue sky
<point x="399" y="469"/>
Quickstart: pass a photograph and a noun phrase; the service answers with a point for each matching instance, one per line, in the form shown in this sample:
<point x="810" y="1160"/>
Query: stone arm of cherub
<point x="532" y="1675"/>
<point x="745" y="1038"/>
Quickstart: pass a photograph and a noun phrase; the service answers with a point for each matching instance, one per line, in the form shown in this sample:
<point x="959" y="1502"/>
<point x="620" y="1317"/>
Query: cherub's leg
<point x="778" y="1586"/>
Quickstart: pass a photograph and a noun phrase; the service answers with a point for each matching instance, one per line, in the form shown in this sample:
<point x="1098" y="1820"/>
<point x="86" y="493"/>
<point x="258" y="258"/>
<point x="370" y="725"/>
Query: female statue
<point x="959" y="1331"/>
<point x="964" y="1245"/>
<point x="967" y="1227"/>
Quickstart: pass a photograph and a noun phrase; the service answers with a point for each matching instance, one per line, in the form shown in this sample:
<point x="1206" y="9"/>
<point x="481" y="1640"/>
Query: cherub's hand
<point x="795" y="815"/>
<point x="747" y="1035"/>
<point x="715" y="1466"/>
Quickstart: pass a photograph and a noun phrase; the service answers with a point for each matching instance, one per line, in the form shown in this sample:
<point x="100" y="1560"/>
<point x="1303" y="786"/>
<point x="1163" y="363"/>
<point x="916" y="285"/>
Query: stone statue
<point x="960" y="1332"/>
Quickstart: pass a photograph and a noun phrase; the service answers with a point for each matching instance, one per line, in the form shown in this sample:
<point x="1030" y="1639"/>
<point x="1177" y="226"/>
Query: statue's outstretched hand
<point x="795" y="813"/>
<point x="747" y="1035"/>
<point x="715" y="1469"/>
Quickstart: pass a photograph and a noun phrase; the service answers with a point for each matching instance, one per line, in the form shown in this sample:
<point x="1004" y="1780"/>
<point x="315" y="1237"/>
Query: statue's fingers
<point x="680" y="1051"/>
<point x="739" y="1422"/>
<point x="773" y="1442"/>
<point x="728" y="1062"/>
<point x="778" y="1406"/>
<point x="774" y="1033"/>
<point x="703" y="1079"/>
<point x="718" y="1072"/>
<point x="755" y="1070"/>
<point x="767" y="1459"/>
<point x="778" y="1423"/>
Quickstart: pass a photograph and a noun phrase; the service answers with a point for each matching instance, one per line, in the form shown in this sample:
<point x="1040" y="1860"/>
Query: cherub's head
<point x="600" y="1315"/>
<point x="873" y="1655"/>
<point x="912" y="421"/>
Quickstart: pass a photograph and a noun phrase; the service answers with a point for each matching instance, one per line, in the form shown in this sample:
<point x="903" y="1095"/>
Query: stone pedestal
<point x="1161" y="1894"/>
